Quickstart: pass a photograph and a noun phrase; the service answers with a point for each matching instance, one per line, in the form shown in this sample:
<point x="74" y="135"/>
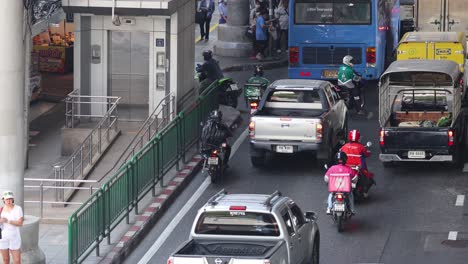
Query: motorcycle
<point x="228" y="89"/>
<point x="214" y="161"/>
<point x="345" y="93"/>
<point x="253" y="93"/>
<point x="340" y="210"/>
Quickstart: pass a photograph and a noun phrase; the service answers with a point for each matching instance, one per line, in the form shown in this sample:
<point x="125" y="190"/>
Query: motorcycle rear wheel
<point x="339" y="223"/>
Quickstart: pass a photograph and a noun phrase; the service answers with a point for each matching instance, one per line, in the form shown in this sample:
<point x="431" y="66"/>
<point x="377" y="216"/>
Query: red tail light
<point x="293" y="56"/>
<point x="370" y="55"/>
<point x="318" y="131"/>
<point x="303" y="73"/>
<point x="451" y="136"/>
<point x="339" y="197"/>
<point x="253" y="105"/>
<point x="170" y="260"/>
<point x="252" y="129"/>
<point x="214" y="153"/>
<point x="382" y="137"/>
<point x="237" y="208"/>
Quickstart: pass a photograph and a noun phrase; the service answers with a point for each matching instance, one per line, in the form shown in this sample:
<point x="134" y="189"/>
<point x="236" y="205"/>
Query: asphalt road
<point x="408" y="218"/>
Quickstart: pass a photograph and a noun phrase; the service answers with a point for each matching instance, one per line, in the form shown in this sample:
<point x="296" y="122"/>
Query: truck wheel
<point x="257" y="161"/>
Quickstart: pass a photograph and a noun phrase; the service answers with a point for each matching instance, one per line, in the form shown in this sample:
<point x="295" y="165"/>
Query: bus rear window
<point x="237" y="223"/>
<point x="357" y="12"/>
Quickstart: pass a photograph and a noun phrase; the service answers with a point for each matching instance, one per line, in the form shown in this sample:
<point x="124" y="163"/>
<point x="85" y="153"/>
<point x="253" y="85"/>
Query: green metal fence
<point x="94" y="221"/>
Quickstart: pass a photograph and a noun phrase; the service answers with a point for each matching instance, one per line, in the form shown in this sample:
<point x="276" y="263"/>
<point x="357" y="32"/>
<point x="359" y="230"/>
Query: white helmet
<point x="347" y="60"/>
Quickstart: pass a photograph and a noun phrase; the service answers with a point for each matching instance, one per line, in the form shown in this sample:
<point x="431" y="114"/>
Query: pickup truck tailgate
<point x="286" y="128"/>
<point x="416" y="138"/>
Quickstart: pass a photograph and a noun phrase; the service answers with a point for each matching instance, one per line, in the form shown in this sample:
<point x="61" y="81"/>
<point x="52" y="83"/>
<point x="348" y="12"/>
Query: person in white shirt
<point x="11" y="219"/>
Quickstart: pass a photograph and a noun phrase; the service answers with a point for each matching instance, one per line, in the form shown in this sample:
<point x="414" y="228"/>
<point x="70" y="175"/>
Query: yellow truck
<point x="434" y="46"/>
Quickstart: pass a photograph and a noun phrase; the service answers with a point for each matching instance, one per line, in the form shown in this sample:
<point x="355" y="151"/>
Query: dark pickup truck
<point x="420" y="112"/>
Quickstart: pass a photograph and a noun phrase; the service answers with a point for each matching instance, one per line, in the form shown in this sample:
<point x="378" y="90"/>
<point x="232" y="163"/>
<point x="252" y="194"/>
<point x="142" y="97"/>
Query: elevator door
<point x="129" y="73"/>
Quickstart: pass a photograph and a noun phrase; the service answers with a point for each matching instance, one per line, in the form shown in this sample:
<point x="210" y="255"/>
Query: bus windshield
<point x="333" y="12"/>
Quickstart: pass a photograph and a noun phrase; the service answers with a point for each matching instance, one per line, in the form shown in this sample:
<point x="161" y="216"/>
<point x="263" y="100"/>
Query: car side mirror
<point x="311" y="215"/>
<point x="369" y="144"/>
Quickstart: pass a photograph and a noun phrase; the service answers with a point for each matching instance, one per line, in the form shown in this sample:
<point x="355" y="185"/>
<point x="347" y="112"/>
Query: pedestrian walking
<point x="223" y="12"/>
<point x="11" y="219"/>
<point x="206" y="8"/>
<point x="282" y="14"/>
<point x="261" y="35"/>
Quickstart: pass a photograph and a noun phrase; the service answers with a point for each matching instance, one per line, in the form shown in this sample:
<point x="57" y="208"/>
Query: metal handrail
<point x="162" y="115"/>
<point x="84" y="155"/>
<point x="41" y="187"/>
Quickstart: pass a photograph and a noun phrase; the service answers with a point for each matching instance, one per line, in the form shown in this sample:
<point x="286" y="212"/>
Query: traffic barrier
<point x="94" y="221"/>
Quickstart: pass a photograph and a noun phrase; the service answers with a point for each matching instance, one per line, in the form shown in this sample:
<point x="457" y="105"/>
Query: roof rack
<point x="214" y="198"/>
<point x="268" y="201"/>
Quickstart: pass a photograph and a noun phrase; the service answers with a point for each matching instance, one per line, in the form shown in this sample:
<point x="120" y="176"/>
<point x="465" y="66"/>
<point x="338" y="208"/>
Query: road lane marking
<point x="211" y="30"/>
<point x="175" y="222"/>
<point x="452" y="235"/>
<point x="460" y="200"/>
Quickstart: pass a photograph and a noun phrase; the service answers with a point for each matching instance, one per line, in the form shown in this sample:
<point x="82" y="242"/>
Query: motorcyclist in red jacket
<point x="357" y="154"/>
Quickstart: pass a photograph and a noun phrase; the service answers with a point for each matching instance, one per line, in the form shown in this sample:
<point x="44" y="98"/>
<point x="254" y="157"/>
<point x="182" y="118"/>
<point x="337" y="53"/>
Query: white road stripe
<point x="452" y="235"/>
<point x="460" y="200"/>
<point x="170" y="228"/>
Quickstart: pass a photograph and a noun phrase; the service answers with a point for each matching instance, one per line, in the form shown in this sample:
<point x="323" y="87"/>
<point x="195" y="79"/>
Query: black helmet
<point x="341" y="157"/>
<point x="207" y="54"/>
<point x="258" y="70"/>
<point x="216" y="115"/>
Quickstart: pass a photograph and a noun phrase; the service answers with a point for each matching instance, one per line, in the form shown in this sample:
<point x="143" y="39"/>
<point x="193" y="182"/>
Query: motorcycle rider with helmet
<point x="357" y="154"/>
<point x="349" y="79"/>
<point x="257" y="79"/>
<point x="215" y="133"/>
<point x="209" y="70"/>
<point x="342" y="169"/>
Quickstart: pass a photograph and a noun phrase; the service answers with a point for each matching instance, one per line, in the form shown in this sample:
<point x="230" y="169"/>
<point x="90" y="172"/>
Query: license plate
<point x="416" y="154"/>
<point x="284" y="149"/>
<point x="213" y="161"/>
<point x="338" y="207"/>
<point x="330" y="74"/>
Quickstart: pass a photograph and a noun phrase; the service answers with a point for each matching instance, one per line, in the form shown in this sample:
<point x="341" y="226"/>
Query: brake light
<point x="253" y="105"/>
<point x="237" y="208"/>
<point x="339" y="197"/>
<point x="303" y="73"/>
<point x="370" y="56"/>
<point x="293" y="56"/>
<point x="382" y="137"/>
<point x="451" y="141"/>
<point x="214" y="153"/>
<point x="318" y="130"/>
<point x="252" y="129"/>
<point x="170" y="260"/>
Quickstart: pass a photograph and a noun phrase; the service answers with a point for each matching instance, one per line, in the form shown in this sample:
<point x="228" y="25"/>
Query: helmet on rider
<point x="341" y="157"/>
<point x="348" y="60"/>
<point x="354" y="135"/>
<point x="216" y="115"/>
<point x="258" y="70"/>
<point x="207" y="55"/>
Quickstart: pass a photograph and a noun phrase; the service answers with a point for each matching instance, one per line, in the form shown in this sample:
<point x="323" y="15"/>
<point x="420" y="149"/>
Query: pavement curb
<point x="150" y="216"/>
<point x="250" y="66"/>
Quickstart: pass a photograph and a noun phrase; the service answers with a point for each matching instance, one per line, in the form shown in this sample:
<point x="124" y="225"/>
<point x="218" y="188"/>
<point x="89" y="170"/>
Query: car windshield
<point x="330" y="12"/>
<point x="237" y="223"/>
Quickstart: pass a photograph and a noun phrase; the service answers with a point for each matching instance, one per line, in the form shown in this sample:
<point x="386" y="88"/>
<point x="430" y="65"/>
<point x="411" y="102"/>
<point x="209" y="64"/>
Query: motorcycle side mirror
<point x="325" y="166"/>
<point x="369" y="144"/>
<point x="310" y="215"/>
<point x="341" y="142"/>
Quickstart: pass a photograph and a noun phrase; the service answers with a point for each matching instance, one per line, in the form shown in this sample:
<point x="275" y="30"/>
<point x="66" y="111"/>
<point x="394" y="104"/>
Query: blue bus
<point x="322" y="32"/>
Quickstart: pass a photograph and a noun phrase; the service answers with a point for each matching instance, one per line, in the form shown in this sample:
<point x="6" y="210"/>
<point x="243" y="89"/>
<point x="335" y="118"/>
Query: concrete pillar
<point x="232" y="41"/>
<point x="12" y="124"/>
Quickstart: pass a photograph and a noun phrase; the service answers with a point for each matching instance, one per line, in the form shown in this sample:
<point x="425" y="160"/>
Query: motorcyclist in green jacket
<point x="348" y="79"/>
<point x="255" y="92"/>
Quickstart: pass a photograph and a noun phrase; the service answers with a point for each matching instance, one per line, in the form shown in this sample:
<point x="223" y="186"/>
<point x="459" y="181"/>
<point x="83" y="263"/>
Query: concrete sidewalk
<point x="53" y="238"/>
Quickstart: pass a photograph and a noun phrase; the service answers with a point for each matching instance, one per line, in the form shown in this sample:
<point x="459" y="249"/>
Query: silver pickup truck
<point x="298" y="115"/>
<point x="251" y="229"/>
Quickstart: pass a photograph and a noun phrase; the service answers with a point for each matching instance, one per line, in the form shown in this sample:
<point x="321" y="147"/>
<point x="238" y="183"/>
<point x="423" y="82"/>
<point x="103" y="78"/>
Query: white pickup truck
<point x="298" y="115"/>
<point x="251" y="229"/>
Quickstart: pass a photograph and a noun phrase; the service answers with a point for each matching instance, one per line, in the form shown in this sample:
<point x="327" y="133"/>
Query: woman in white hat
<point x="11" y="218"/>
